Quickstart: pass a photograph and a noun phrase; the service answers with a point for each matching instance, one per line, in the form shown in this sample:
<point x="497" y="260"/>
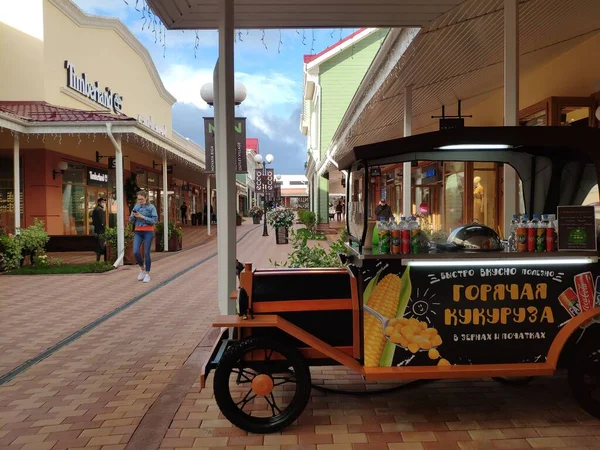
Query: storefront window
<point x="356" y="202"/>
<point x="537" y="119"/>
<point x="484" y="193"/>
<point x="454" y="180"/>
<point x="73" y="209"/>
<point x="575" y="116"/>
<point x="7" y="198"/>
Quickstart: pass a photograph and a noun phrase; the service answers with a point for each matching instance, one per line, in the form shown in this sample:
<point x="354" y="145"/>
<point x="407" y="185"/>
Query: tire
<point x="233" y="363"/>
<point x="514" y="381"/>
<point x="584" y="376"/>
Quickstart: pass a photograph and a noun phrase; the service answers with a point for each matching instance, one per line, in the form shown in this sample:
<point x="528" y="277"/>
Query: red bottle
<point x="405" y="237"/>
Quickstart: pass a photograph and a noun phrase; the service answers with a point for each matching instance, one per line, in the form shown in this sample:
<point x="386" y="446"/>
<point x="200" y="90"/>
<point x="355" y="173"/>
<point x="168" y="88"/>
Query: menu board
<point x="577" y="228"/>
<point x="435" y="316"/>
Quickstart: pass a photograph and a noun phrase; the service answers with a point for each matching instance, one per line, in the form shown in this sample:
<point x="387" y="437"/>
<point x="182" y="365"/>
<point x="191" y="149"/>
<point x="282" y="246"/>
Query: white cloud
<point x="111" y="8"/>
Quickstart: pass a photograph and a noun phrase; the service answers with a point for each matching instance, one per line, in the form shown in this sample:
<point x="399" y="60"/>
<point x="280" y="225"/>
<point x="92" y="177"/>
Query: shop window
<point x="575" y="116"/>
<point x="7" y="195"/>
<point x="75" y="173"/>
<point x="537" y="119"/>
<point x="73" y="209"/>
<point x="454" y="181"/>
<point x="485" y="194"/>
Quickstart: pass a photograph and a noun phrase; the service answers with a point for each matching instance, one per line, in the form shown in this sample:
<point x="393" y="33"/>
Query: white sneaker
<point x="141" y="275"/>
<point x="147" y="278"/>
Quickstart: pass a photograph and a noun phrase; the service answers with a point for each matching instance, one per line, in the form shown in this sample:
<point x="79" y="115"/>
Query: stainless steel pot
<point x="474" y="237"/>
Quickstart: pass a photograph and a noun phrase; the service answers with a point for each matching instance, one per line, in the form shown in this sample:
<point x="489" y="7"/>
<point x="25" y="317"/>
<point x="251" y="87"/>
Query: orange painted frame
<point x="402" y="373"/>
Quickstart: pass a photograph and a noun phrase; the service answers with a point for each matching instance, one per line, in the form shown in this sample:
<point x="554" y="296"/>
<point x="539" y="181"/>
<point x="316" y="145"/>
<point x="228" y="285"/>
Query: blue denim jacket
<point x="148" y="211"/>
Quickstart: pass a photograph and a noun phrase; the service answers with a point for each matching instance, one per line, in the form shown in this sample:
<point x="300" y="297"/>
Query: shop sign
<point x="112" y="162"/>
<point x="169" y="170"/>
<point x="80" y="84"/>
<point x="241" y="163"/>
<point x="152" y="180"/>
<point x="147" y="122"/>
<point x="577" y="228"/>
<point x="96" y="177"/>
<point x="504" y="314"/>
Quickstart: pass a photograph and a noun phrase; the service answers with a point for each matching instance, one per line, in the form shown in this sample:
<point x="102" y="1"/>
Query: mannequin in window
<point x="478" y="200"/>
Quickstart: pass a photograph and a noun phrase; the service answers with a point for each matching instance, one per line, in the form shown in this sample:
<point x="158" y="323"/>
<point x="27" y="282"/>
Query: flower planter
<point x="238" y="220"/>
<point x="175" y="243"/>
<point x="128" y="258"/>
<point x="256" y="220"/>
<point x="281" y="235"/>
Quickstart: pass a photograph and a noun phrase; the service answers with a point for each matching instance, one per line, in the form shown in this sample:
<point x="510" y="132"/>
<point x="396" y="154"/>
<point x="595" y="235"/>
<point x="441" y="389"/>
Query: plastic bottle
<point x="405" y="236"/>
<point x="522" y="234"/>
<point x="512" y="233"/>
<point x="384" y="236"/>
<point x="551" y="234"/>
<point x="540" y="234"/>
<point x="396" y="238"/>
<point x="531" y="232"/>
<point x="376" y="235"/>
<point x="415" y="236"/>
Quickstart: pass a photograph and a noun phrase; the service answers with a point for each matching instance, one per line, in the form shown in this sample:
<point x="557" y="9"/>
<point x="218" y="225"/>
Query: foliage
<point x="10" y="252"/>
<point x="304" y="256"/>
<point x="110" y="236"/>
<point x="33" y="238"/>
<point x="280" y="217"/>
<point x="255" y="211"/>
<point x="59" y="268"/>
<point x="160" y="232"/>
<point x="310" y="235"/>
<point x="131" y="189"/>
<point x="308" y="219"/>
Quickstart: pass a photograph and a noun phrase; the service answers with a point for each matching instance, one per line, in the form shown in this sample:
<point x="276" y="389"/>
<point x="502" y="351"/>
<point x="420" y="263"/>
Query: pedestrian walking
<point x="143" y="216"/>
<point x="99" y="223"/>
<point x="183" y="209"/>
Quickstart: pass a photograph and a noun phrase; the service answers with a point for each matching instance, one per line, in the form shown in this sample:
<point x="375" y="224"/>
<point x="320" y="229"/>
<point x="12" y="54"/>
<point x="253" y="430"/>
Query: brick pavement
<point x="95" y="391"/>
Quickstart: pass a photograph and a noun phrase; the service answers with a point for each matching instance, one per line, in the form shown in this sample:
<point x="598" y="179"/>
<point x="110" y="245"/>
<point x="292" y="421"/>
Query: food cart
<point x="467" y="313"/>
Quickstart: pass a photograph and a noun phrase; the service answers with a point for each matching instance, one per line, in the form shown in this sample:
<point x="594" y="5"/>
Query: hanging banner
<point x="269" y="182"/>
<point x="241" y="163"/>
<point x="258" y="181"/>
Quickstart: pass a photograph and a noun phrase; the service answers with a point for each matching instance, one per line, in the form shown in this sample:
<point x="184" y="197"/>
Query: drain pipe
<point x="116" y="142"/>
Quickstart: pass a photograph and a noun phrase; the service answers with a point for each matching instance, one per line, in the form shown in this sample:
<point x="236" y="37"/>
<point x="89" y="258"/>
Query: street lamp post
<point x="268" y="160"/>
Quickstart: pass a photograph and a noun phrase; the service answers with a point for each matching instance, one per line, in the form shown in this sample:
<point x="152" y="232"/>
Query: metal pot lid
<point x="475" y="237"/>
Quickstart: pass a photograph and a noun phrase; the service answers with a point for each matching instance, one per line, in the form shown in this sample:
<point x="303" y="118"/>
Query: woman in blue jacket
<point x="143" y="216"/>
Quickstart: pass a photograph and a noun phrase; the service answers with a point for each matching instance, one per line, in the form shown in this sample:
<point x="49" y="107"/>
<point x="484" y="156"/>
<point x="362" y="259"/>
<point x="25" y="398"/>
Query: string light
<point x="312" y="45"/>
<point x="304" y="37"/>
<point x="196" y="44"/>
<point x="280" y="43"/>
<point x="262" y="39"/>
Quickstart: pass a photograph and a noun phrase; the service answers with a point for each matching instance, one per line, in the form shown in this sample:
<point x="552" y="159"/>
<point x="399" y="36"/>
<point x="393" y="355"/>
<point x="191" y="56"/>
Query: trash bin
<point x="194" y="219"/>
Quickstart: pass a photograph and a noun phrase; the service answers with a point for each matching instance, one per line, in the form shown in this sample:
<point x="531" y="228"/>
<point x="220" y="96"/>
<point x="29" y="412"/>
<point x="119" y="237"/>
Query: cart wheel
<point x="584" y="376"/>
<point x="264" y="395"/>
<point x="513" y="381"/>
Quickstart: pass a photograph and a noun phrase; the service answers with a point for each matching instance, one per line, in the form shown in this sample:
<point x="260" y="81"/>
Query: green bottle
<point x="375" y="236"/>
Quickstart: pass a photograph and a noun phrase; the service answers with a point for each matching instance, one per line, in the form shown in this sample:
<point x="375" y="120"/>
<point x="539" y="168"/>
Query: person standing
<point x="99" y="223"/>
<point x="143" y="216"/>
<point x="183" y="209"/>
<point x="338" y="211"/>
<point x="383" y="210"/>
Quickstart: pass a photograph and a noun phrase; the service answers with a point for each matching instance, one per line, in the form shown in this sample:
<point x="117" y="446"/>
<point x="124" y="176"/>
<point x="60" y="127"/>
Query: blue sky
<point x="272" y="76"/>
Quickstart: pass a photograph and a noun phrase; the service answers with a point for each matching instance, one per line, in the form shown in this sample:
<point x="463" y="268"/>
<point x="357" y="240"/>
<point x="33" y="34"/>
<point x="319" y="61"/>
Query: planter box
<point x="238" y="220"/>
<point x="256" y="220"/>
<point x="175" y="244"/>
<point x="128" y="259"/>
<point x="281" y="235"/>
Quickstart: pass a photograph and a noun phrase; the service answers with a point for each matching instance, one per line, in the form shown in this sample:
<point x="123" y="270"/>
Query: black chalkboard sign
<point x="576" y="228"/>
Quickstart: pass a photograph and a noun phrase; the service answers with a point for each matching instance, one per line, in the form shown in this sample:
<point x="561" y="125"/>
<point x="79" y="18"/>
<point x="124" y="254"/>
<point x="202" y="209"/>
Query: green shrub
<point x="308" y="219"/>
<point x="10" y="253"/>
<point x="303" y="256"/>
<point x="33" y="238"/>
<point x="160" y="232"/>
<point x="310" y="235"/>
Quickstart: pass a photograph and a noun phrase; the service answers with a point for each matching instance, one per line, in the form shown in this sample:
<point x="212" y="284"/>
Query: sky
<point x="270" y="66"/>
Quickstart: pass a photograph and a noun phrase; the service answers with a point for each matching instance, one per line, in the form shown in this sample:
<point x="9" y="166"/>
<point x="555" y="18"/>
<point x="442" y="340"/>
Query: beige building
<point x="77" y="92"/>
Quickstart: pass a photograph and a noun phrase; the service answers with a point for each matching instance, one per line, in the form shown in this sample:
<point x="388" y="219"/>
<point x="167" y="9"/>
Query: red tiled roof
<point x="309" y="58"/>
<point x="45" y="112"/>
<point x="252" y="144"/>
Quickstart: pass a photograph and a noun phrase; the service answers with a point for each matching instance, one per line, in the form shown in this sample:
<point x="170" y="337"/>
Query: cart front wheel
<point x="513" y="381"/>
<point x="262" y="385"/>
<point x="584" y="377"/>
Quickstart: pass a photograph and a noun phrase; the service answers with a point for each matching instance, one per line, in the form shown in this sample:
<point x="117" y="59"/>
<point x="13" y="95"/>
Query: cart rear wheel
<point x="584" y="376"/>
<point x="513" y="381"/>
<point x="262" y="385"/>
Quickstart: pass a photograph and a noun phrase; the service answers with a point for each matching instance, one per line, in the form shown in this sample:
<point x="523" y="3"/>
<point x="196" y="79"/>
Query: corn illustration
<point x="384" y="299"/>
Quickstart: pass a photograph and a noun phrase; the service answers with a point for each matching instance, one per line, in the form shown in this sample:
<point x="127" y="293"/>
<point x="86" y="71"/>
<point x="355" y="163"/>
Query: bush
<point x="280" y="217"/>
<point x="308" y="219"/>
<point x="10" y="252"/>
<point x="310" y="235"/>
<point x="304" y="256"/>
<point x="159" y="232"/>
<point x="255" y="211"/>
<point x="33" y="238"/>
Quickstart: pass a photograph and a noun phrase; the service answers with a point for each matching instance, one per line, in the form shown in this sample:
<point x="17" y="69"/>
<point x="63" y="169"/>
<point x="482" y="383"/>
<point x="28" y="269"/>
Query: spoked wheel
<point x="262" y="385"/>
<point x="584" y="377"/>
<point x="513" y="381"/>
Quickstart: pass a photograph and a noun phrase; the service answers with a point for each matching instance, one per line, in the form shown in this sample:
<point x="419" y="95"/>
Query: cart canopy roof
<point x="557" y="165"/>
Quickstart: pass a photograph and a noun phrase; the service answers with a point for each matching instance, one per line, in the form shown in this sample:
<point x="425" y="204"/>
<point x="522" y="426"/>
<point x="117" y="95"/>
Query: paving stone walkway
<point x="122" y="364"/>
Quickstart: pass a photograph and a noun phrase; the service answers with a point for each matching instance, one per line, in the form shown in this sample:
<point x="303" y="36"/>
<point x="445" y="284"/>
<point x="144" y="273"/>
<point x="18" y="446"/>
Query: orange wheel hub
<point x="262" y="385"/>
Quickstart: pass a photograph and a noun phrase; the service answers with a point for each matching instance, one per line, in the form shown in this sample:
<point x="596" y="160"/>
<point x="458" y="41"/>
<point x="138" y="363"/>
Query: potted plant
<point x="175" y="237"/>
<point x="33" y="240"/>
<point x="10" y="252"/>
<point x="110" y="238"/>
<point x="256" y="213"/>
<point x="238" y="219"/>
<point x="281" y="219"/>
<point x="131" y="189"/>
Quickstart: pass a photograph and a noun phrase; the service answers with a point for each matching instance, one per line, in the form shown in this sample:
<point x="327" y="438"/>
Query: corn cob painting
<point x="389" y="297"/>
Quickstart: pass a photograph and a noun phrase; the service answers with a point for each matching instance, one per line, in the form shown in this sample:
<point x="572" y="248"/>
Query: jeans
<point x="145" y="237"/>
